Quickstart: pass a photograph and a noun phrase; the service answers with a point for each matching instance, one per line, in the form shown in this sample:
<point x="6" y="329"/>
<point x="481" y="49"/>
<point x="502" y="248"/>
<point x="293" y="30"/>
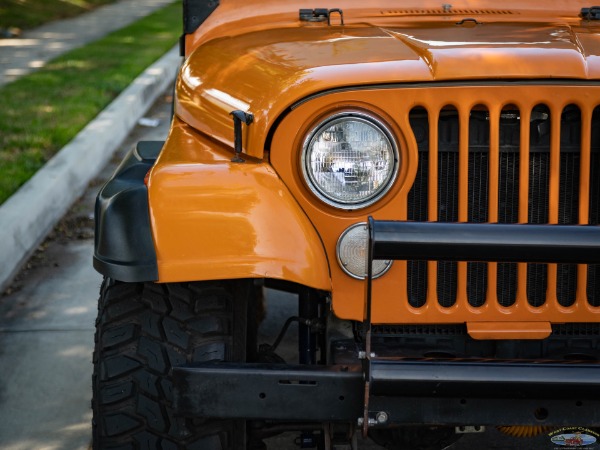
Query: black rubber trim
<point x="123" y="245"/>
<point x="195" y="12"/>
<point x="518" y="82"/>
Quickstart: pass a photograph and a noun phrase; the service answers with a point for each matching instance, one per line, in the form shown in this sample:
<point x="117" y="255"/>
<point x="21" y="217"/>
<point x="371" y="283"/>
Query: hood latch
<point x="320" y="15"/>
<point x="239" y="117"/>
<point x="592" y="13"/>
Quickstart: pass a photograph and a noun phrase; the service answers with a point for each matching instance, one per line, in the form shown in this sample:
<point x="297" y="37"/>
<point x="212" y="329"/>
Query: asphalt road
<point x="46" y="337"/>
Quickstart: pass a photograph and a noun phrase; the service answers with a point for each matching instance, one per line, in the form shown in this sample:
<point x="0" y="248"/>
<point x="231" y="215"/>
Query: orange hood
<point x="265" y="72"/>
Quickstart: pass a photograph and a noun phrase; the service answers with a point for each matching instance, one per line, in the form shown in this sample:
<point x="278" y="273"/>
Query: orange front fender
<point x="214" y="219"/>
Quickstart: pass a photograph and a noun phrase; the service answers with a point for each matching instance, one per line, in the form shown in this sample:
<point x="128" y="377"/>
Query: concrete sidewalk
<point x="47" y="329"/>
<point x="20" y="56"/>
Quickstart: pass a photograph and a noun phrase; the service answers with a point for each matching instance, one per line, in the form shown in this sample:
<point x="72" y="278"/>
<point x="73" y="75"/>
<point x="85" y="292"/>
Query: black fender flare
<point x="123" y="245"/>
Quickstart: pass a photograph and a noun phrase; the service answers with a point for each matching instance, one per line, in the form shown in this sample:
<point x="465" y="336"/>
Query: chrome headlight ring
<point x="350" y="160"/>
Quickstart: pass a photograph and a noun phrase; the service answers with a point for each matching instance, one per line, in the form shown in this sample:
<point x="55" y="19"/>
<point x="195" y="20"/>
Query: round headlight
<point x="352" y="253"/>
<point x="350" y="160"/>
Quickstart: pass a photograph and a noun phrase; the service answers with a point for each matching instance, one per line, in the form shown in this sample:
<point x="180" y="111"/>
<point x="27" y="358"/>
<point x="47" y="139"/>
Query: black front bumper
<point x="491" y="242"/>
<point x="408" y="392"/>
<point x="389" y="391"/>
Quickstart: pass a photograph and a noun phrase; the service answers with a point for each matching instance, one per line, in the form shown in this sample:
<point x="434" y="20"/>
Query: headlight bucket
<point x="350" y="160"/>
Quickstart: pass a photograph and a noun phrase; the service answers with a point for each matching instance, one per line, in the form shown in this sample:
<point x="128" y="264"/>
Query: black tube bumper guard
<point x="383" y="392"/>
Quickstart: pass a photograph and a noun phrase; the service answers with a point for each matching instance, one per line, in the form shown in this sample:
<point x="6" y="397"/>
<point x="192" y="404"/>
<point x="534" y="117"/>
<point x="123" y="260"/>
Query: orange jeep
<point x="424" y="176"/>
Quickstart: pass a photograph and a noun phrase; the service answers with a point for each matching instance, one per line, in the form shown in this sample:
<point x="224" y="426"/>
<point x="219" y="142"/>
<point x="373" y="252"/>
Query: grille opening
<point x="508" y="196"/>
<point x="418" y="205"/>
<point x="479" y="151"/>
<point x="593" y="272"/>
<point x="448" y="134"/>
<point x="568" y="202"/>
<point x="539" y="195"/>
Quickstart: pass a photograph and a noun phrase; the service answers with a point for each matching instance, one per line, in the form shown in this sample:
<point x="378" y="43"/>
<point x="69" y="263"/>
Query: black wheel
<point x="415" y="438"/>
<point x="144" y="329"/>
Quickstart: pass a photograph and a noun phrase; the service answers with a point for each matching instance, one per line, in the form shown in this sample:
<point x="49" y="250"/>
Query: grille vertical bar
<point x="494" y="195"/>
<point x="432" y="266"/>
<point x="584" y="195"/>
<point x="555" y="181"/>
<point x="464" y="115"/>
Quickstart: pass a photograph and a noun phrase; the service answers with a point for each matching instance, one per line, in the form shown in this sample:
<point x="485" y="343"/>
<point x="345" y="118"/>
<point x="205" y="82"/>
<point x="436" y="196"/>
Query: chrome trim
<point x="371" y="120"/>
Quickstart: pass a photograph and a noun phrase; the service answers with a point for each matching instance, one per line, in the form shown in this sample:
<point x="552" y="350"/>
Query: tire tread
<point x="144" y="329"/>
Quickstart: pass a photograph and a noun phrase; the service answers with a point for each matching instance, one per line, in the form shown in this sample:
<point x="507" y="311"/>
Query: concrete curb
<point x="31" y="213"/>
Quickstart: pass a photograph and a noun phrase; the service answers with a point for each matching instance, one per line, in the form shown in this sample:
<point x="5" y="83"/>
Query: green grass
<point x="43" y="111"/>
<point x="32" y="13"/>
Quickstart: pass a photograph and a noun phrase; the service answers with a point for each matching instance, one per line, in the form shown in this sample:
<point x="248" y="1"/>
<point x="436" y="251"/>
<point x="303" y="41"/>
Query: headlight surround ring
<point x="350" y="160"/>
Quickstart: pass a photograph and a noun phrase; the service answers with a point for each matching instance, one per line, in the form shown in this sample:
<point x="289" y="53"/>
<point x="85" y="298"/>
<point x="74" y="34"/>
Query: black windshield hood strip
<point x="440" y="84"/>
<point x="424" y="85"/>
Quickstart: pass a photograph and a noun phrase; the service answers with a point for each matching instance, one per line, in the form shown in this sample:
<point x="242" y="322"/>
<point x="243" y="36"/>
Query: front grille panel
<point x="521" y="165"/>
<point x="468" y="151"/>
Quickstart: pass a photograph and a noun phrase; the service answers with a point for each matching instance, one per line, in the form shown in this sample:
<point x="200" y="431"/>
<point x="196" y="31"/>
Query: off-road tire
<point x="144" y="329"/>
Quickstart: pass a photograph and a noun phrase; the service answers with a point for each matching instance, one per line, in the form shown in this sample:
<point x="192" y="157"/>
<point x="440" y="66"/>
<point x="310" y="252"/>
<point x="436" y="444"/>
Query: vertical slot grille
<point x="477" y="210"/>
<point x="417" y="208"/>
<point x="568" y="202"/>
<point x="593" y="272"/>
<point x="553" y="176"/>
<point x="539" y="196"/>
<point x="447" y="271"/>
<point x="508" y="199"/>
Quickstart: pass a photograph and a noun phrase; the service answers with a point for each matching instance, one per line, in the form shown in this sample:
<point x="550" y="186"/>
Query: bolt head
<point x="381" y="417"/>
